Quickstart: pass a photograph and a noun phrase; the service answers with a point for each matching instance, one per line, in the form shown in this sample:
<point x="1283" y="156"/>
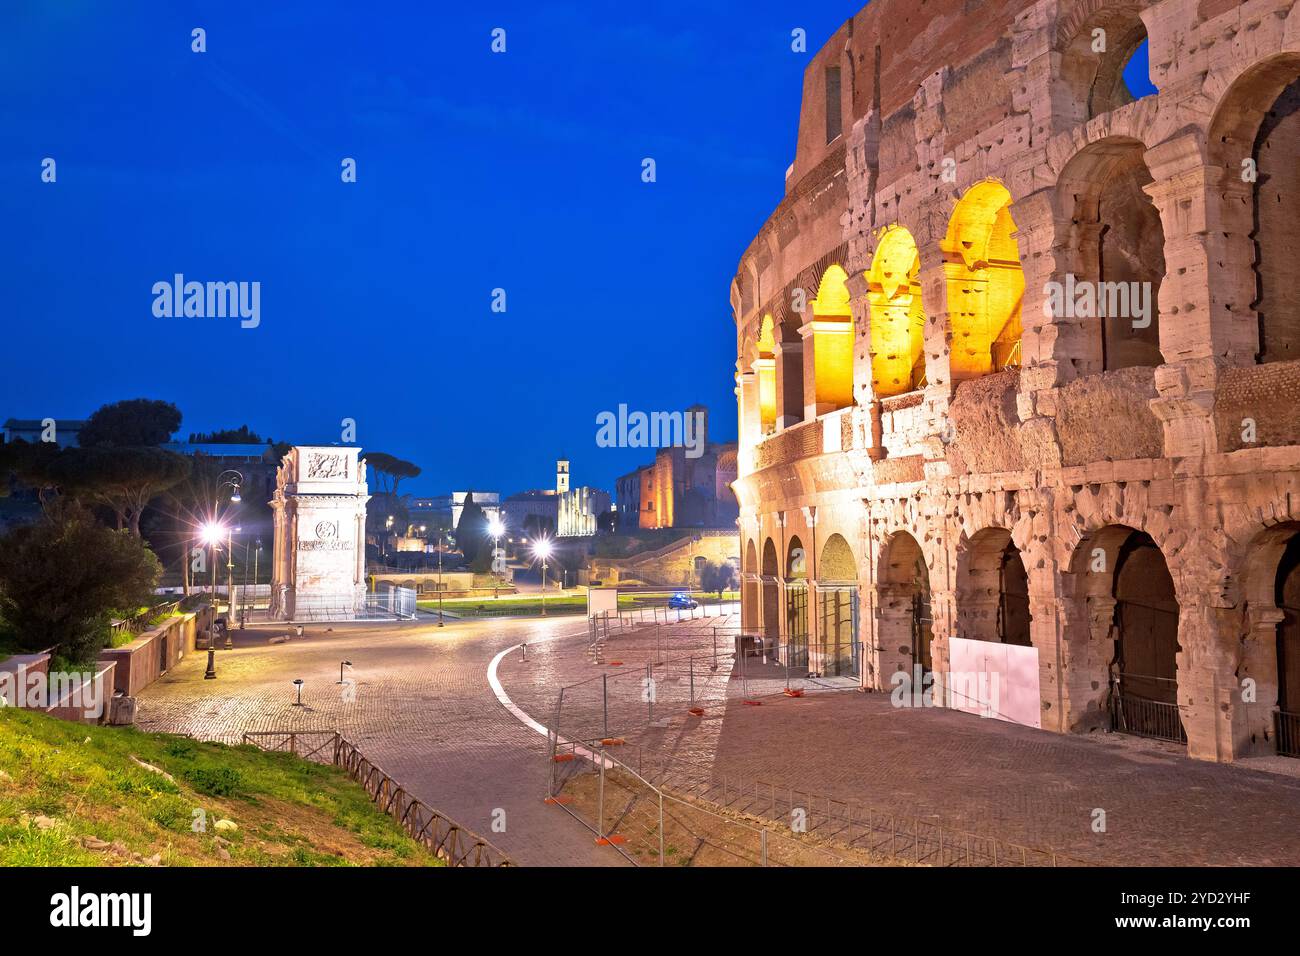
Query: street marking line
<point x="522" y="715"/>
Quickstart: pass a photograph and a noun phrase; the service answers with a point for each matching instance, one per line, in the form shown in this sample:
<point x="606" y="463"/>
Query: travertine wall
<point x="1186" y="430"/>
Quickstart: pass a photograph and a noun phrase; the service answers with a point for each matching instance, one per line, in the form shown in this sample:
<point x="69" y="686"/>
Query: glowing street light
<point x="542" y="549"/>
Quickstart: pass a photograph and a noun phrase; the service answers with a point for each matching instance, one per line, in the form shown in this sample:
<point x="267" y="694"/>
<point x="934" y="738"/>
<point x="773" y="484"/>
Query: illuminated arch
<point x="832" y="342"/>
<point x="837" y="610"/>
<point x="897" y="315"/>
<point x="986" y="286"/>
<point x="765" y="374"/>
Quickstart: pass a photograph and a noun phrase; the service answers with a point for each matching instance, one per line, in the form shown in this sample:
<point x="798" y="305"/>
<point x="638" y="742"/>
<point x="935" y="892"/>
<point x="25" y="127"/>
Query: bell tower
<point x="561" y="476"/>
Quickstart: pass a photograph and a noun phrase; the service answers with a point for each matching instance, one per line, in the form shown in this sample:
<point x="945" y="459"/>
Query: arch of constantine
<point x="1018" y="364"/>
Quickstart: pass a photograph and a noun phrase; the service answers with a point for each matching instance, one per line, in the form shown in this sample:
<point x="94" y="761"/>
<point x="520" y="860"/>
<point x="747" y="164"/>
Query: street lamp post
<point x="440" y="578"/>
<point x="542" y="548"/>
<point x="233" y="480"/>
<point x="496" y="529"/>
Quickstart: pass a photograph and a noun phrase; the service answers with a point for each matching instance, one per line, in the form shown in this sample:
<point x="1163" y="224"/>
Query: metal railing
<point x="138" y="623"/>
<point x="1287" y="729"/>
<point x="441" y="835"/>
<point x="1143" y="717"/>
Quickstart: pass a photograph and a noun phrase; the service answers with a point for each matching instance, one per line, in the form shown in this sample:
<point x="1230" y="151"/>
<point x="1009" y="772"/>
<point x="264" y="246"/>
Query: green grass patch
<point x="72" y="795"/>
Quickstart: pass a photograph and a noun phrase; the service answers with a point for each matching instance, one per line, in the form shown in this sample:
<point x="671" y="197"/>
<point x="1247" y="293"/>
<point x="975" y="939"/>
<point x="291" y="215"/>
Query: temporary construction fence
<point x="444" y="837"/>
<point x="650" y="826"/>
<point x="719" y="667"/>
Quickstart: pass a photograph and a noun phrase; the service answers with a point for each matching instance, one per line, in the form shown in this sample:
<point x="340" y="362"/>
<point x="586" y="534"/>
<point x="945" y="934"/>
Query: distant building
<point x="447" y="509"/>
<point x="678" y="491"/>
<point x="579" y="511"/>
<point x="542" y="505"/>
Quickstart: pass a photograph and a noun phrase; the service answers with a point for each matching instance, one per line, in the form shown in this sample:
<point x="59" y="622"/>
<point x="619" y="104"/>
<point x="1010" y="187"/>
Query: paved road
<point x="423" y="711"/>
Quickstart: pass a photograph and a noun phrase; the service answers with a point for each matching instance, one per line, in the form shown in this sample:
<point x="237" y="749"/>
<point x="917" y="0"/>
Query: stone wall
<point x="1094" y="438"/>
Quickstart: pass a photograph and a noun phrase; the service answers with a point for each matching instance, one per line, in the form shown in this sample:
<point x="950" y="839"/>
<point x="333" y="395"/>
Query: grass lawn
<point x="560" y="604"/>
<point x="71" y="795"/>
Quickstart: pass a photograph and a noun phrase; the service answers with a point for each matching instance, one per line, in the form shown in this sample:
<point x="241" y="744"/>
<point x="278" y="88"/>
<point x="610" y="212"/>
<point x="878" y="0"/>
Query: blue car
<point x="681" y="601"/>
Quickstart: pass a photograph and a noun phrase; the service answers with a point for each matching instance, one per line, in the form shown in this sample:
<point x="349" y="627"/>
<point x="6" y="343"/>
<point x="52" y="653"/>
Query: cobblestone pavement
<point x="989" y="777"/>
<point x="423" y="711"/>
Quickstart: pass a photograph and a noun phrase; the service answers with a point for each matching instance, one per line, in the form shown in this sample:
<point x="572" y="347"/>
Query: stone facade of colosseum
<point x="940" y="441"/>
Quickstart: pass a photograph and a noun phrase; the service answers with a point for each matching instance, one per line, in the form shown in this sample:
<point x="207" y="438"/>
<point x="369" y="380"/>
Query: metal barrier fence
<point x="1287" y="728"/>
<point x="650" y="826"/>
<point x="652" y="687"/>
<point x="444" y="837"/>
<point x="1143" y="717"/>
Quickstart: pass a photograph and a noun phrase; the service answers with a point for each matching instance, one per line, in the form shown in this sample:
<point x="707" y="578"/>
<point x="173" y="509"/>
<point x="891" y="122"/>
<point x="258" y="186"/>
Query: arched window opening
<point x="832" y="341"/>
<point x="765" y="374"/>
<point x="1144" y="669"/>
<point x="1277" y="210"/>
<point x="1287" y="597"/>
<point x="986" y="286"/>
<point x="1105" y="64"/>
<point x="1137" y="72"/>
<point x="994" y="601"/>
<point x="897" y="315"/>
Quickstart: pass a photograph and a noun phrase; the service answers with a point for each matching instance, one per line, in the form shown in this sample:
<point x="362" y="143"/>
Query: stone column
<point x="1259" y="665"/>
<point x="810" y="409"/>
<point x="1192" y="337"/>
<point x="789" y="383"/>
<point x="1087" y="646"/>
<point x="1208" y="693"/>
<point x="749" y="424"/>
<point x="863" y="394"/>
<point x="943" y="610"/>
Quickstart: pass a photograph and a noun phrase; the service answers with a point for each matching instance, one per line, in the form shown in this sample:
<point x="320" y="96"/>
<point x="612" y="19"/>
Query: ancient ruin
<point x="319" y="563"/>
<point x="1019" y="359"/>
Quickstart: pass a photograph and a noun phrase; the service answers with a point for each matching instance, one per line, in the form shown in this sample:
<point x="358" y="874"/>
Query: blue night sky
<point x="475" y="171"/>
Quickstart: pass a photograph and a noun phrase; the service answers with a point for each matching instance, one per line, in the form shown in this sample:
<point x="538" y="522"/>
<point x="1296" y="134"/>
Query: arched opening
<point x="837" y="610"/>
<point x="897" y="315"/>
<point x="749" y="620"/>
<point x="1137" y="71"/>
<point x="906" y="623"/>
<point x="1270" y="649"/>
<point x="832" y="342"/>
<point x="1287" y="596"/>
<point x="771" y="571"/>
<point x="993" y="597"/>
<point x="1254" y="139"/>
<point x="1118" y="259"/>
<point x="794" y="653"/>
<point x="1104" y="63"/>
<point x="986" y="286"/>
<point x="1277" y="210"/>
<point x="765" y="374"/>
<point x="1144" y="665"/>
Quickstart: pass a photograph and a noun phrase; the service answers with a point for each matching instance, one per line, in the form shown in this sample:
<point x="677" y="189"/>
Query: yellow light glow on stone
<point x="985" y="283"/>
